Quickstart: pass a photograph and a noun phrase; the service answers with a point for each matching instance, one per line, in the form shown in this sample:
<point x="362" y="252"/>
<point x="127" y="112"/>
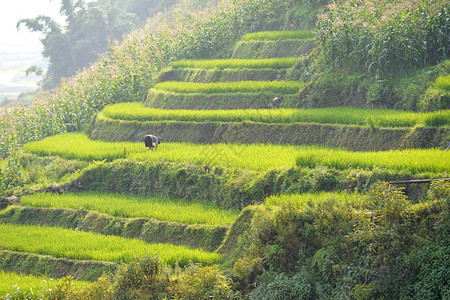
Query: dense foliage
<point x="385" y="38"/>
<point x="374" y="248"/>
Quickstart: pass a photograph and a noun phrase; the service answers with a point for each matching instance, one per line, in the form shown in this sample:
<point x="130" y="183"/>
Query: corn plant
<point x="385" y="38"/>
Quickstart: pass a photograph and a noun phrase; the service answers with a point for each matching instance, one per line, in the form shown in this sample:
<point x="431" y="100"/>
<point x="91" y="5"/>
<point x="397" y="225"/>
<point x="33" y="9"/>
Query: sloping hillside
<point x="252" y="193"/>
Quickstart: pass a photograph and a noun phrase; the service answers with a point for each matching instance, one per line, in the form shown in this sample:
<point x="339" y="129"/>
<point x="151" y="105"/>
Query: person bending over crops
<point x="150" y="139"/>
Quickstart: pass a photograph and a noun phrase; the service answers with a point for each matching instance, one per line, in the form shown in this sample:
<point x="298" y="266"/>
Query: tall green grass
<point x="284" y="87"/>
<point x="384" y="38"/>
<point x="64" y="243"/>
<point x="28" y="284"/>
<point x="136" y="111"/>
<point x="163" y="209"/>
<point x="252" y="157"/>
<point x="299" y="199"/>
<point x="220" y="64"/>
<point x="279" y="35"/>
<point x="413" y="160"/>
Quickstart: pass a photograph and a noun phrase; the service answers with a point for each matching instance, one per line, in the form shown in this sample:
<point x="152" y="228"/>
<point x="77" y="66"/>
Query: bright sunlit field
<point x="163" y="209"/>
<point x="136" y="111"/>
<point x="253" y="157"/>
<point x="59" y="242"/>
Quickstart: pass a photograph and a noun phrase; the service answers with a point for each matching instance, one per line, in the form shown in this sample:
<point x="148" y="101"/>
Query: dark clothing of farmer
<point x="149" y="140"/>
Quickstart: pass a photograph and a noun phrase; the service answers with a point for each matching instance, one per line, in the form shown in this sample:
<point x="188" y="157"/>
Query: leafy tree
<point x="88" y="30"/>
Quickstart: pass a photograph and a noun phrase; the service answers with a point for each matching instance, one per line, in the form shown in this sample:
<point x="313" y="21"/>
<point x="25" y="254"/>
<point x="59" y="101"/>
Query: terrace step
<point x="35" y="264"/>
<point x="170" y="100"/>
<point x="227" y="75"/>
<point x="228" y="70"/>
<point x="207" y="237"/>
<point x="270" y="49"/>
<point x="351" y="137"/>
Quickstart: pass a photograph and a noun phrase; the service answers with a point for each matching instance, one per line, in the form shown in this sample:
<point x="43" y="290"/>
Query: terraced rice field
<point x="237" y="64"/>
<point x="127" y="206"/>
<point x="285" y="87"/>
<point x="65" y="243"/>
<point x="136" y="111"/>
<point x="252" y="157"/>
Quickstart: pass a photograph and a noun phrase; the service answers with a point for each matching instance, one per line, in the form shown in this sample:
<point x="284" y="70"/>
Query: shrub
<point x="443" y="83"/>
<point x="202" y="283"/>
<point x="281" y="286"/>
<point x="143" y="277"/>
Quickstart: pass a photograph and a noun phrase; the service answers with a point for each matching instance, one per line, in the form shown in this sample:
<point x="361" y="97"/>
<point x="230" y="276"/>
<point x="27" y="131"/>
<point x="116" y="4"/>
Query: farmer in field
<point x="149" y="140"/>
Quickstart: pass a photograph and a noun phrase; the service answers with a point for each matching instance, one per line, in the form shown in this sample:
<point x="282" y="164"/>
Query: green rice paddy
<point x="220" y="64"/>
<point x="136" y="111"/>
<point x="132" y="206"/>
<point x="65" y="243"/>
<point x="243" y="156"/>
<point x="284" y="87"/>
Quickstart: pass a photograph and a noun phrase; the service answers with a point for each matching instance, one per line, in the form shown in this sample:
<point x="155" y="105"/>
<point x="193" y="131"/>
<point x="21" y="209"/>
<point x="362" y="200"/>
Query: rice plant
<point x="278" y="35"/>
<point x="127" y="206"/>
<point x="136" y="111"/>
<point x="284" y="87"/>
<point x="413" y="160"/>
<point x="220" y="64"/>
<point x="12" y="285"/>
<point x="65" y="243"/>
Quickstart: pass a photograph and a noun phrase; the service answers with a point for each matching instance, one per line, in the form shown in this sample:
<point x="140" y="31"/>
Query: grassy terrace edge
<point x="125" y="206"/>
<point x="283" y="87"/>
<point x="201" y="101"/>
<point x="66" y="243"/>
<point x="36" y="264"/>
<point x="237" y="64"/>
<point x="352" y="137"/>
<point x="206" y="237"/>
<point x="278" y="35"/>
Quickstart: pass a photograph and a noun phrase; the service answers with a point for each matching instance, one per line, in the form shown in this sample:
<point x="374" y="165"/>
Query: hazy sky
<point x="13" y="11"/>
